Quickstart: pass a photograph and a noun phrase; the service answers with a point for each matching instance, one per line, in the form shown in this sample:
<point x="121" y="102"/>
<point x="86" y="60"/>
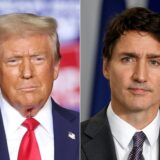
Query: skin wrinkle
<point x="28" y="69"/>
<point x="135" y="62"/>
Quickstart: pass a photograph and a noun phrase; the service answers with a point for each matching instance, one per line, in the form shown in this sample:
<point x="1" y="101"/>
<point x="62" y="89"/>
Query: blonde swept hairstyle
<point x="27" y="24"/>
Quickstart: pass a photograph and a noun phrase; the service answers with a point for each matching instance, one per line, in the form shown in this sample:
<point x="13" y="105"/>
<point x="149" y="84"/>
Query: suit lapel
<point x="101" y="145"/>
<point x="65" y="134"/>
<point x="3" y="142"/>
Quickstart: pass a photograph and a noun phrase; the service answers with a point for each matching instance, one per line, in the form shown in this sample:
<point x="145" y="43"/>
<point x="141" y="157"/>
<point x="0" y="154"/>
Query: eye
<point x="13" y="61"/>
<point x="38" y="59"/>
<point x="155" y="62"/>
<point x="127" y="59"/>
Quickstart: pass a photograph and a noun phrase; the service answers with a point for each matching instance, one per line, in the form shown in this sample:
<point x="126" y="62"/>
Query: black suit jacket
<point x="96" y="139"/>
<point x="65" y="122"/>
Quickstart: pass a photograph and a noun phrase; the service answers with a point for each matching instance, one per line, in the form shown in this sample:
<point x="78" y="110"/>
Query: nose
<point x="26" y="69"/>
<point x="140" y="73"/>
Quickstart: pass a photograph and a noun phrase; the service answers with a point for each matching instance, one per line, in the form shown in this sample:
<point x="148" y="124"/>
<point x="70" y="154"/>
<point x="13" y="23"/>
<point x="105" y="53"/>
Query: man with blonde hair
<point x="32" y="125"/>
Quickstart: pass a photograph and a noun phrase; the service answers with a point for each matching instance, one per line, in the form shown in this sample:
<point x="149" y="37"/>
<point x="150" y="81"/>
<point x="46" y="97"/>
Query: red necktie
<point x="29" y="149"/>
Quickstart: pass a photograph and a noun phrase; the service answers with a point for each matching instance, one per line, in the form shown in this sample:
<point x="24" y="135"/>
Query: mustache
<point x="142" y="86"/>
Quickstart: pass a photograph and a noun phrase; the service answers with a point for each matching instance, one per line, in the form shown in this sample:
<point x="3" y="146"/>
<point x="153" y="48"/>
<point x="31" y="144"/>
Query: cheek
<point x="9" y="72"/>
<point x="156" y="84"/>
<point x="9" y="77"/>
<point x="45" y="74"/>
<point x="119" y="78"/>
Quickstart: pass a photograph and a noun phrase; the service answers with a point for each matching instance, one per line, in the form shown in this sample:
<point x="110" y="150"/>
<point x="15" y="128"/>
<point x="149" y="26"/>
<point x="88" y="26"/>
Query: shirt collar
<point x="152" y="130"/>
<point x="12" y="119"/>
<point x="44" y="117"/>
<point x="123" y="131"/>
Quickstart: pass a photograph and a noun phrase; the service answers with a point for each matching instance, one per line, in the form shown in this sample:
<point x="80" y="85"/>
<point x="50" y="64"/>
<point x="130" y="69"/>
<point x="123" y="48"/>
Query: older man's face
<point x="27" y="71"/>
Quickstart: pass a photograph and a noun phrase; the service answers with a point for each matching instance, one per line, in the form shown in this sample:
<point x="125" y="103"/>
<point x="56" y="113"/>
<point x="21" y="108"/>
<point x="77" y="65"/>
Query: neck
<point x="138" y="119"/>
<point x="31" y="112"/>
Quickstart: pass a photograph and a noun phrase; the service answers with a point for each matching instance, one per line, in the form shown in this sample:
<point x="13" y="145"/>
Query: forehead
<point x="137" y="42"/>
<point x="27" y="45"/>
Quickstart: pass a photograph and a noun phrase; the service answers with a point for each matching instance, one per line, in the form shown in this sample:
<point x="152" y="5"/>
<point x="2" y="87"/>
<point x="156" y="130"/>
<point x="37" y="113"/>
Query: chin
<point x="138" y="108"/>
<point x="26" y="106"/>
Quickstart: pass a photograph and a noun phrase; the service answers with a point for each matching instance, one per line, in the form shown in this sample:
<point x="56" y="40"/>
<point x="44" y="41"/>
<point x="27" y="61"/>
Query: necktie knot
<point x="30" y="123"/>
<point x="29" y="149"/>
<point x="138" y="139"/>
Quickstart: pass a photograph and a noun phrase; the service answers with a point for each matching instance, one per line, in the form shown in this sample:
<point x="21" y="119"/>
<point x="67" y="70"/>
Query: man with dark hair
<point x="32" y="125"/>
<point x="128" y="129"/>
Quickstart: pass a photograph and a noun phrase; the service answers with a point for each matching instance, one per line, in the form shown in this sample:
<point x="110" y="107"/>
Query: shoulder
<point x="64" y="113"/>
<point x="95" y="120"/>
<point x="92" y="132"/>
<point x="92" y="126"/>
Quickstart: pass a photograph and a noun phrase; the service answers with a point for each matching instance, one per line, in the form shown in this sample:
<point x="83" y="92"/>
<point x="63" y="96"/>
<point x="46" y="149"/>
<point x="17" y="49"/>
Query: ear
<point x="56" y="68"/>
<point x="106" y="68"/>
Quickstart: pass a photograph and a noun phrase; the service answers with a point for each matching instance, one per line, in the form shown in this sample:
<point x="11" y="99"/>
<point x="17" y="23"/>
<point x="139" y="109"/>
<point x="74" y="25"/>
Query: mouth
<point x="28" y="88"/>
<point x="139" y="91"/>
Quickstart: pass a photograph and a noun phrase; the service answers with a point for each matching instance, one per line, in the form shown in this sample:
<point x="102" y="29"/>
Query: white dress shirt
<point x="15" y="131"/>
<point x="123" y="133"/>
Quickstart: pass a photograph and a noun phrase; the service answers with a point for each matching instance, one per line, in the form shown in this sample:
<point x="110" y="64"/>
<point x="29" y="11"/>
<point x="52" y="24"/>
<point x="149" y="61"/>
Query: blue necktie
<point x="138" y="140"/>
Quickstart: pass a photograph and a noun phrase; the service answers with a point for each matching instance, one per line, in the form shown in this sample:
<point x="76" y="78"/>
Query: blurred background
<point x="95" y="91"/>
<point x="66" y="90"/>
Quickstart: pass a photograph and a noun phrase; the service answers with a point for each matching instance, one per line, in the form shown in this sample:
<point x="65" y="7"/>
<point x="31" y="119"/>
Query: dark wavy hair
<point x="138" y="19"/>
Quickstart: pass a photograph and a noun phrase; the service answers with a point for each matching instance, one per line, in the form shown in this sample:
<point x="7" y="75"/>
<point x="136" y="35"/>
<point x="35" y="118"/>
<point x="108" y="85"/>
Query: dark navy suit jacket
<point x="96" y="139"/>
<point x="66" y="134"/>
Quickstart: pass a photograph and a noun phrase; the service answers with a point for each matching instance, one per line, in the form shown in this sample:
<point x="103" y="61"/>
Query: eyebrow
<point x="134" y="54"/>
<point x="153" y="56"/>
<point x="128" y="54"/>
<point x="37" y="54"/>
<point x="13" y="56"/>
